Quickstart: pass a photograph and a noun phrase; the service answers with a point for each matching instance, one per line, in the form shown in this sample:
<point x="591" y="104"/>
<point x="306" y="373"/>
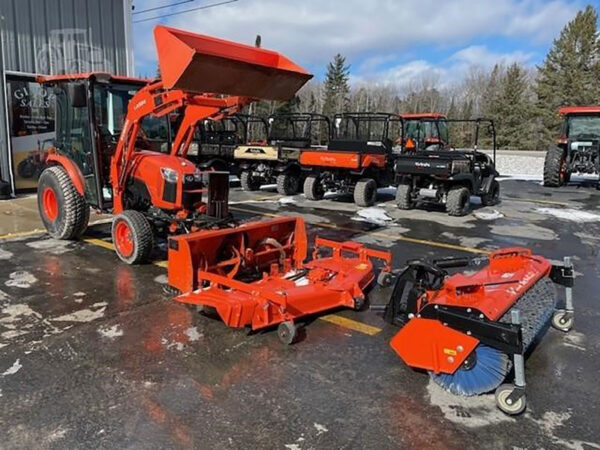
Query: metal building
<point x="51" y="37"/>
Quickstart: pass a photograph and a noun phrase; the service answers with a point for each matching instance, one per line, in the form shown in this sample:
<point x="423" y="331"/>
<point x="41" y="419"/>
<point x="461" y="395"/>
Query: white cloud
<point x="312" y="31"/>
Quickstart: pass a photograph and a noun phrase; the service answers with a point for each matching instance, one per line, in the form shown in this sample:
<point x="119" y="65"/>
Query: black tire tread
<point x="403" y="196"/>
<point x="361" y="192"/>
<point x="283" y="184"/>
<point x="143" y="236"/>
<point x="247" y="182"/>
<point x="311" y="188"/>
<point x="552" y="164"/>
<point x="454" y="205"/>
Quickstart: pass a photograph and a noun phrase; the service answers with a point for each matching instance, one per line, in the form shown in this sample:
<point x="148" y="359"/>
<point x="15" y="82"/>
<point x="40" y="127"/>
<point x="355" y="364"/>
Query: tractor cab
<point x="425" y="131"/>
<point x="90" y="113"/>
<point x="578" y="147"/>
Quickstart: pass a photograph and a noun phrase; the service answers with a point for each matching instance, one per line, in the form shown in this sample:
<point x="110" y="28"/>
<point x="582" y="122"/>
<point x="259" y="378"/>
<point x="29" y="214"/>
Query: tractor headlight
<point x="169" y="175"/>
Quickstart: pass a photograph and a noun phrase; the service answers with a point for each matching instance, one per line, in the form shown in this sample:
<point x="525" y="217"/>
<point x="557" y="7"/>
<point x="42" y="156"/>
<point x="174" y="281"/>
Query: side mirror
<point x="77" y="95"/>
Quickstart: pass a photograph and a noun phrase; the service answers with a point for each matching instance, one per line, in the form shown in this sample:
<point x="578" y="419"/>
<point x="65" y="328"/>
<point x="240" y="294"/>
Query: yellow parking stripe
<point x="351" y="324"/>
<point x="101" y="243"/>
<point x="378" y="234"/>
<point x="18" y="234"/>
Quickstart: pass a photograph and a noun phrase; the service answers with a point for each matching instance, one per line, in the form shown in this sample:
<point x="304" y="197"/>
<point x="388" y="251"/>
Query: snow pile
<point x="488" y="215"/>
<point x="378" y="216"/>
<point x="287" y="200"/>
<point x="574" y="215"/>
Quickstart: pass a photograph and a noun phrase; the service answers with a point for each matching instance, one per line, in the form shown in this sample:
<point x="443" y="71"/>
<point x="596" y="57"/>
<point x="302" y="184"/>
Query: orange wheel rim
<point x="50" y="204"/>
<point x="124" y="239"/>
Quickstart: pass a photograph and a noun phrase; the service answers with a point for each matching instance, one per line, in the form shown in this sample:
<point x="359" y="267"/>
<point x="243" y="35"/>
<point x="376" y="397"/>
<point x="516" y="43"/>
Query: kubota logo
<point x="523" y="282"/>
<point x="422" y="164"/>
<point x="255" y="151"/>
<point x="139" y="104"/>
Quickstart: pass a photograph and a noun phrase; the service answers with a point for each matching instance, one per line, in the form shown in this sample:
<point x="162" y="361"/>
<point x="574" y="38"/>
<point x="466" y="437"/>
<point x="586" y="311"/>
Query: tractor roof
<point x="572" y="110"/>
<point x="429" y="115"/>
<point x="99" y="76"/>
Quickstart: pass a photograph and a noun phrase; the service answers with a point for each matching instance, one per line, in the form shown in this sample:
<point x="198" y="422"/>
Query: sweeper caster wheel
<point x="287" y="332"/>
<point x="506" y="404"/>
<point x="384" y="279"/>
<point x="562" y="320"/>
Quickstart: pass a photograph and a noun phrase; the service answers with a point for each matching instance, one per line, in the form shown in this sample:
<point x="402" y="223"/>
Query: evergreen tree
<point x="570" y="74"/>
<point x="336" y="88"/>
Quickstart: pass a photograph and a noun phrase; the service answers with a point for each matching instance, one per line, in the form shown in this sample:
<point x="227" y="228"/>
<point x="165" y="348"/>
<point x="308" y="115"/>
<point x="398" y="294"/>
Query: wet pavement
<point x="93" y="353"/>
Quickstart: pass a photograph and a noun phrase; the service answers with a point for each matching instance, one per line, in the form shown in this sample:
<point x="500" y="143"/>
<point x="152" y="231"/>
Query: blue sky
<point x="387" y="41"/>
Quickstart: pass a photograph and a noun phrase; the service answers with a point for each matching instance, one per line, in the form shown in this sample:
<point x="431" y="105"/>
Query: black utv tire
<point x="248" y="182"/>
<point x="458" y="201"/>
<point x="554" y="175"/>
<point x="64" y="212"/>
<point x="493" y="196"/>
<point x="404" y="198"/>
<point x="288" y="183"/>
<point x="313" y="190"/>
<point x="365" y="192"/>
<point x="140" y="237"/>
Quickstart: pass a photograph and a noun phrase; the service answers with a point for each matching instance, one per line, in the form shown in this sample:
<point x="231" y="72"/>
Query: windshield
<point x="361" y="128"/>
<point x="583" y="126"/>
<point x="425" y="129"/>
<point x="110" y="103"/>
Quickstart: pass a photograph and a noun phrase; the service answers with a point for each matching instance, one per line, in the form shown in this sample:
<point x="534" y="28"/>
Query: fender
<point x="72" y="170"/>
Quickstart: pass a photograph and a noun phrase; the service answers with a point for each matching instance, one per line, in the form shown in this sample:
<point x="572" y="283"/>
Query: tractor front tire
<point x="313" y="190"/>
<point x="248" y="182"/>
<point x="404" y="198"/>
<point x="458" y="201"/>
<point x="555" y="172"/>
<point x="365" y="192"/>
<point x="493" y="196"/>
<point x="288" y="183"/>
<point x="132" y="237"/>
<point x="63" y="210"/>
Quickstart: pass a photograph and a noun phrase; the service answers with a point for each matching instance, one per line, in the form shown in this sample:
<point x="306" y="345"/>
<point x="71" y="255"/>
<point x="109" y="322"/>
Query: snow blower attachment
<point x="468" y="330"/>
<point x="254" y="275"/>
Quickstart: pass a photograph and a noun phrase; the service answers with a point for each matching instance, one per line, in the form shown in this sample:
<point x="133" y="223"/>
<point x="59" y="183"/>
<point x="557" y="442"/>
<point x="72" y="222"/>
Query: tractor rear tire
<point x="63" y="210"/>
<point x="404" y="198"/>
<point x="365" y="192"/>
<point x="288" y="183"/>
<point x="493" y="196"/>
<point x="555" y="174"/>
<point x="458" y="201"/>
<point x="133" y="237"/>
<point x="248" y="182"/>
<point x="313" y="190"/>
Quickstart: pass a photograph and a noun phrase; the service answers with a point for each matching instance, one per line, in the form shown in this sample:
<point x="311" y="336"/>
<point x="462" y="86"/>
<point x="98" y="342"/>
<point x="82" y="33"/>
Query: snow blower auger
<point x="254" y="274"/>
<point x="468" y="330"/>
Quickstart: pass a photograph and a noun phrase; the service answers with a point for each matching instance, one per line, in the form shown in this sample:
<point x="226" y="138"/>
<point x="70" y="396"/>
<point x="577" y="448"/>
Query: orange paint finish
<point x="568" y="110"/>
<point x="440" y="349"/>
<point x="341" y="160"/>
<point x="72" y="170"/>
<point x="205" y="267"/>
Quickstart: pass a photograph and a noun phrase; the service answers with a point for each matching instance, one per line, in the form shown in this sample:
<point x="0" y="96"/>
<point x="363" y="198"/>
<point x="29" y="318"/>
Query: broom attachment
<point x="469" y="330"/>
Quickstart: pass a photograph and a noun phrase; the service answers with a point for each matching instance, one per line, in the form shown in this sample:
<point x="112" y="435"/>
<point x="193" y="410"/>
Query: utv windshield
<point x="582" y="126"/>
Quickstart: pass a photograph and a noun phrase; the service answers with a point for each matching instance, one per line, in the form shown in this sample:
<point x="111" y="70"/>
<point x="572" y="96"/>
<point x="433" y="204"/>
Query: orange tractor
<point x="114" y="152"/>
<point x="357" y="160"/>
<point x="425" y="131"/>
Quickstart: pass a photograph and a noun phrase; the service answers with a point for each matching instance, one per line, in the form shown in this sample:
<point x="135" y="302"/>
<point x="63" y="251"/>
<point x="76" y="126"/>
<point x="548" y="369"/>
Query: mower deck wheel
<point x="248" y="182"/>
<point x="505" y="404"/>
<point x="562" y="320"/>
<point x="287" y="332"/>
<point x="458" y="201"/>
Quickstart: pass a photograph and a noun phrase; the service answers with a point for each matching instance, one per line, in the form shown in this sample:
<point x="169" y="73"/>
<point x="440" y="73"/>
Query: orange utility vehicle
<point x="104" y="158"/>
<point x="357" y="160"/>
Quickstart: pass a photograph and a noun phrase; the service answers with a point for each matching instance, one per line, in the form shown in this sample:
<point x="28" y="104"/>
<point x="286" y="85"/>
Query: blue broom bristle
<point x="487" y="374"/>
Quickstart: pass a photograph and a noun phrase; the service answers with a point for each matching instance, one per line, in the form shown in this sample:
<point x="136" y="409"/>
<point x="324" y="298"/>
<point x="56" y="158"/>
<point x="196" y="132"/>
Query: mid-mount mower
<point x="448" y="176"/>
<point x="255" y="275"/>
<point x="468" y="330"/>
<point x="578" y="148"/>
<point x="103" y="158"/>
<point x="277" y="160"/>
<point x="357" y="160"/>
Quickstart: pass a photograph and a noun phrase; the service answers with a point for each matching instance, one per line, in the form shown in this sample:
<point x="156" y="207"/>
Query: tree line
<point x="522" y="101"/>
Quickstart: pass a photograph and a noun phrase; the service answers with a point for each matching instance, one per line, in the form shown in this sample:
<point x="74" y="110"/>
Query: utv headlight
<point x="169" y="175"/>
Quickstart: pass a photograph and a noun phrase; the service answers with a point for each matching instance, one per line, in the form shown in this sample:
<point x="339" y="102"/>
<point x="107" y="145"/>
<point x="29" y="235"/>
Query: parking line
<point x="351" y="324"/>
<point x="18" y="234"/>
<point x="379" y="234"/>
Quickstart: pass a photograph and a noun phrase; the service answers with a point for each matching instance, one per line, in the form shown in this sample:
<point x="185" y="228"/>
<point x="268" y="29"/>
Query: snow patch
<point x="574" y="215"/>
<point x="552" y="420"/>
<point x="54" y="246"/>
<point x="320" y="428"/>
<point x="575" y="339"/>
<point x="111" y="332"/>
<point x="287" y="200"/>
<point x="15" y="312"/>
<point x="13" y="369"/>
<point x="378" y="216"/>
<point x="193" y="334"/>
<point x="292" y="446"/>
<point x="21" y="279"/>
<point x="5" y="254"/>
<point x="488" y="215"/>
<point x="161" y="279"/>
<point x="471" y="412"/>
<point x="83" y="315"/>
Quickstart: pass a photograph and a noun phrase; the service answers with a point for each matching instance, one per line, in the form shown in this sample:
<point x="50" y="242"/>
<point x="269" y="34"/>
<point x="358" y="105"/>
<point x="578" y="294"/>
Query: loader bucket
<point x="204" y="64"/>
<point x="245" y="251"/>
